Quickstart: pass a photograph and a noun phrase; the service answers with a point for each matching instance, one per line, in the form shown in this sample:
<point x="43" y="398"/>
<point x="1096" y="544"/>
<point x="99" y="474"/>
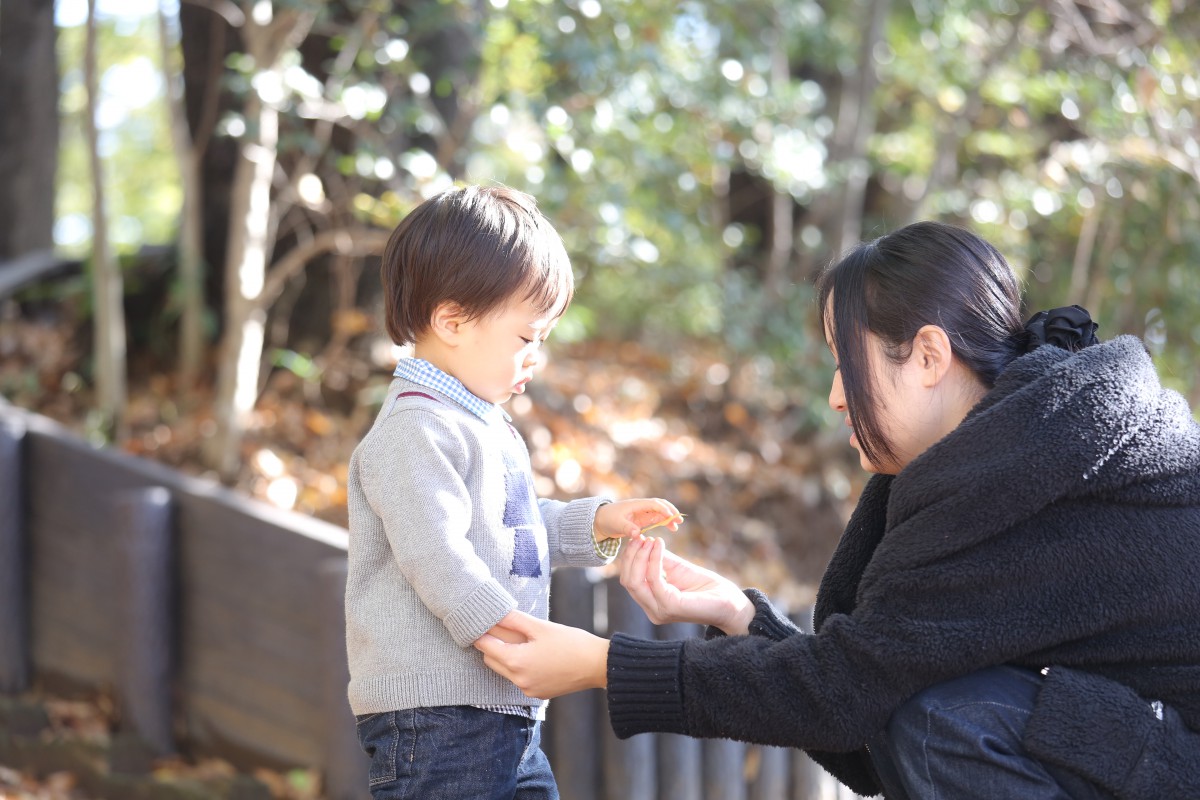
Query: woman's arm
<point x="546" y="660"/>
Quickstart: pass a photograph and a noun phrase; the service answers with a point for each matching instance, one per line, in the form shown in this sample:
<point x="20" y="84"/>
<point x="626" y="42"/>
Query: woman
<point x="1014" y="607"/>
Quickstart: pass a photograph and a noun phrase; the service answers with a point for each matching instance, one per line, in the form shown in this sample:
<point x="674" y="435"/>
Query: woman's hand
<point x="545" y="659"/>
<point x="628" y="518"/>
<point x="672" y="589"/>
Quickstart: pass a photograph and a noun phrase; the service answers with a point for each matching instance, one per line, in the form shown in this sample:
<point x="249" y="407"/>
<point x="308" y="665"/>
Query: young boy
<point x="446" y="534"/>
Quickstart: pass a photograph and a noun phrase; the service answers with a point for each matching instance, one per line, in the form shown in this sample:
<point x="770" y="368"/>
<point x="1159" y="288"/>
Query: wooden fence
<point x="217" y="622"/>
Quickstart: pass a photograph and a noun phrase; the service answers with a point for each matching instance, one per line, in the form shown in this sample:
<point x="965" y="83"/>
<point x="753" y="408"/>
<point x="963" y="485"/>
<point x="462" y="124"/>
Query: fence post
<point x="14" y="561"/>
<point x="768" y="772"/>
<point x="809" y="780"/>
<point x="680" y="768"/>
<point x="572" y="721"/>
<point x="147" y="589"/>
<point x="724" y="769"/>
<point x="346" y="765"/>
<point x="629" y="764"/>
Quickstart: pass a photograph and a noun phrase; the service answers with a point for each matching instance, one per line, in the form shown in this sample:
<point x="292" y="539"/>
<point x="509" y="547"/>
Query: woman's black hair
<point x="927" y="273"/>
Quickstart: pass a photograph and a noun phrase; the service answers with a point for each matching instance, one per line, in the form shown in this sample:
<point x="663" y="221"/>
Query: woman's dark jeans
<point x="962" y="739"/>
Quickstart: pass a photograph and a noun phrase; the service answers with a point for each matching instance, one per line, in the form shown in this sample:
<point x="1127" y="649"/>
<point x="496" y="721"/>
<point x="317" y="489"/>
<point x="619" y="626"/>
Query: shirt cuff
<point x="605" y="548"/>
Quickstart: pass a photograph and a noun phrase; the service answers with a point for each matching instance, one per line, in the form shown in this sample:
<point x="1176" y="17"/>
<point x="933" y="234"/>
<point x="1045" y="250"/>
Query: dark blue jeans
<point x="455" y="753"/>
<point x="962" y="739"/>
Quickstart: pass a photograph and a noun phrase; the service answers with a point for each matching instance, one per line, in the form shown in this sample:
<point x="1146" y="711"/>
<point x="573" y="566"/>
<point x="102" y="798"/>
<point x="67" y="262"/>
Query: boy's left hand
<point x="626" y="518"/>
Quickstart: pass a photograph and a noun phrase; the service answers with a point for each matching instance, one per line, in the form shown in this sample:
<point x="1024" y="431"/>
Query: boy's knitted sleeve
<point x="412" y="480"/>
<point x="569" y="532"/>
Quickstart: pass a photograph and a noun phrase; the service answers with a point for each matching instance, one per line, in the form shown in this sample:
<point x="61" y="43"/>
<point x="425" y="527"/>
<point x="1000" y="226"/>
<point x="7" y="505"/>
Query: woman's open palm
<point x="673" y="589"/>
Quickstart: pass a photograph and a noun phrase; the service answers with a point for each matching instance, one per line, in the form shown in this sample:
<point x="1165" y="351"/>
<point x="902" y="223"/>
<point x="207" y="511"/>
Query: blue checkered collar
<point x="421" y="372"/>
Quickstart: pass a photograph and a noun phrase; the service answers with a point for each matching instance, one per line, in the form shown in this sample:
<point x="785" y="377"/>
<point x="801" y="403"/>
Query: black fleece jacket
<point x="1058" y="526"/>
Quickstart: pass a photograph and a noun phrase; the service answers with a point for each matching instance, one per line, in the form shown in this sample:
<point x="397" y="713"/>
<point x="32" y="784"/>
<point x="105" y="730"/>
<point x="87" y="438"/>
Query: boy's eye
<point x="537" y="342"/>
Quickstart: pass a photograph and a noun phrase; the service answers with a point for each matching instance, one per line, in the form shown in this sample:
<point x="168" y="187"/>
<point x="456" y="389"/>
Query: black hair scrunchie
<point x="1069" y="327"/>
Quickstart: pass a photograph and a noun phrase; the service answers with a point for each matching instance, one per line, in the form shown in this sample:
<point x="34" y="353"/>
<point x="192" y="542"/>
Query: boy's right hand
<point x="625" y="519"/>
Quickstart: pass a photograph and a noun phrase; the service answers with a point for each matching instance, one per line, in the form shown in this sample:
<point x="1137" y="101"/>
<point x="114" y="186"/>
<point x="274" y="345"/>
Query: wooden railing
<point x="217" y="621"/>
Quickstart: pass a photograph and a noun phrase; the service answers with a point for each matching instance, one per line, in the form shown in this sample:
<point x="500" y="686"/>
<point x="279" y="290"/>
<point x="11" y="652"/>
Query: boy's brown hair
<point x="477" y="247"/>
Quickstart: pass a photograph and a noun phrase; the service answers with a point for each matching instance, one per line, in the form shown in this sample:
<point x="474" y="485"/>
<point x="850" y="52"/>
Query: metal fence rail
<point x="218" y="623"/>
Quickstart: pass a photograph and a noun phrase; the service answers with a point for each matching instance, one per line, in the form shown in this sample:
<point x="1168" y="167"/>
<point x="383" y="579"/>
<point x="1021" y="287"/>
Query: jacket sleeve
<point x="825" y="692"/>
<point x="1106" y="733"/>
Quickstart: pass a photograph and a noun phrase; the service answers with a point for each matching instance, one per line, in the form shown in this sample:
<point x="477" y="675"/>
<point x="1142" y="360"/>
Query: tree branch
<point x="226" y="9"/>
<point x="343" y="241"/>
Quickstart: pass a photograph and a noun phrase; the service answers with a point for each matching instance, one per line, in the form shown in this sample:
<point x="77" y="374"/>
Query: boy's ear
<point x="446" y="321"/>
<point x="933" y="354"/>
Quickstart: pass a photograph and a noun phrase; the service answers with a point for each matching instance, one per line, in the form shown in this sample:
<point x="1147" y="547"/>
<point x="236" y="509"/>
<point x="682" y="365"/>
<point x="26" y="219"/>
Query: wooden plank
<point x="573" y="721"/>
<point x="148" y="618"/>
<point x="724" y="773"/>
<point x="768" y="770"/>
<point x="15" y="656"/>
<point x="245" y="736"/>
<point x="250" y="617"/>
<point x="630" y="765"/>
<point x="30" y="268"/>
<point x="346" y="768"/>
<point x="680" y="758"/>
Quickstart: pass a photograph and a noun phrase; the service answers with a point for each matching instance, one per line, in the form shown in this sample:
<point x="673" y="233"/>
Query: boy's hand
<point x="626" y="518"/>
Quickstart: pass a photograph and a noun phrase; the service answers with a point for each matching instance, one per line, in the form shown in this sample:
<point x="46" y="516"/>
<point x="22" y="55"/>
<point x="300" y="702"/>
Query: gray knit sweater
<point x="446" y="537"/>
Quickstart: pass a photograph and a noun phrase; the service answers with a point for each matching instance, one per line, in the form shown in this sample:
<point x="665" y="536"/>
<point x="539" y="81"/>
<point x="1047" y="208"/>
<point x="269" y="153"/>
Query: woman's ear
<point x="446" y="323"/>
<point x="932" y="354"/>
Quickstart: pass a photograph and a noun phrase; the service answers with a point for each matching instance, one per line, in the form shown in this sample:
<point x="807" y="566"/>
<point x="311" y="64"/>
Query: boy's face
<point x="497" y="354"/>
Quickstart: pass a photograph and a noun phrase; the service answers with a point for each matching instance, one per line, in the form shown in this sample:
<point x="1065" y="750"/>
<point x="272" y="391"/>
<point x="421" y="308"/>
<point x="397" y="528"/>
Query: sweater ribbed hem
<point x="482" y="609"/>
<point x="447" y="687"/>
<point x="644" y="688"/>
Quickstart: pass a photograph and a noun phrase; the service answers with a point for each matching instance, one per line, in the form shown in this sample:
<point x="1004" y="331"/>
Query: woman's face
<point x="904" y="411"/>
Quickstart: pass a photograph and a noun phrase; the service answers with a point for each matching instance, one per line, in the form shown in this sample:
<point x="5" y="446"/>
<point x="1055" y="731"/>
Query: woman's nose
<point x="837" y="397"/>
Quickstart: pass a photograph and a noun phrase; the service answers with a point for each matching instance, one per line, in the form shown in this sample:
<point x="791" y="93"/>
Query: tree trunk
<point x="855" y="125"/>
<point x="246" y="270"/>
<point x="251" y="235"/>
<point x="191" y="222"/>
<point x="28" y="126"/>
<point x="108" y="290"/>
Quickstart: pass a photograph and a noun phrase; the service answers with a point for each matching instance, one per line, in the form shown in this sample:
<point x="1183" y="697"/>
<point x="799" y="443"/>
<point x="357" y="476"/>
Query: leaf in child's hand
<point x="666" y="521"/>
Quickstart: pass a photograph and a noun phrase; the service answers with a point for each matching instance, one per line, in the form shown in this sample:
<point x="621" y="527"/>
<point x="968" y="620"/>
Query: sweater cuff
<point x="768" y="620"/>
<point x="644" y="690"/>
<point x="576" y="533"/>
<point x="482" y="609"/>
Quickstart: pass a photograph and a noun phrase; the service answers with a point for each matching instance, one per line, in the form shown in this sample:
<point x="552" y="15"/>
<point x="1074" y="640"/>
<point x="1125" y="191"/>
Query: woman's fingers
<point x="633" y="565"/>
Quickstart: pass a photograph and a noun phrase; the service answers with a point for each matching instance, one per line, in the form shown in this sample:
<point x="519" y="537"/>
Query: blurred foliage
<point x="140" y="171"/>
<point x="656" y="134"/>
